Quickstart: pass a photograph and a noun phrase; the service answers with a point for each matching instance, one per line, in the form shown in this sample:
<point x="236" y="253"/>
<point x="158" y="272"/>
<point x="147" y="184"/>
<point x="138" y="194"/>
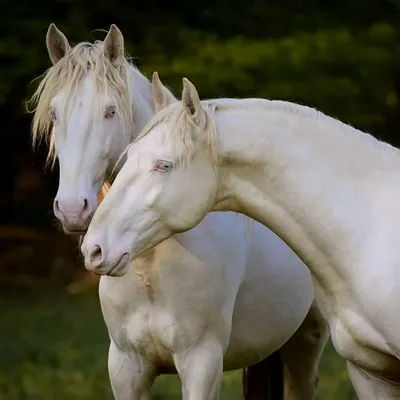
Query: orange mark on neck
<point x="103" y="191"/>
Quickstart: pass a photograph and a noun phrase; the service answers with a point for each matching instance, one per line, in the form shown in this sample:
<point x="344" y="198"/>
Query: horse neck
<point x="308" y="179"/>
<point x="141" y="101"/>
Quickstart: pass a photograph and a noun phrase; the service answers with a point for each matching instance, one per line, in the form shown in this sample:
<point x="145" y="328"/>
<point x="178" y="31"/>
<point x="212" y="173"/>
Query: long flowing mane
<point x="68" y="75"/>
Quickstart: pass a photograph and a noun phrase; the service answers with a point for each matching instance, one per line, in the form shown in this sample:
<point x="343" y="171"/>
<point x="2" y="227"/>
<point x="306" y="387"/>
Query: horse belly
<point x="261" y="324"/>
<point x="272" y="302"/>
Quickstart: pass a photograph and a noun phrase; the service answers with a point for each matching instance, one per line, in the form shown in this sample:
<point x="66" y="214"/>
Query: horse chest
<point x="153" y="328"/>
<point x="154" y="333"/>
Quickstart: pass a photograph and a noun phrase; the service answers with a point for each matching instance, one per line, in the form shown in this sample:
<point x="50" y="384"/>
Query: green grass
<point x="55" y="348"/>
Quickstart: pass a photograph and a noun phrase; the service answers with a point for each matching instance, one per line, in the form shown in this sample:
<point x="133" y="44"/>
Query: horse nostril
<point x="96" y="255"/>
<point x="85" y="204"/>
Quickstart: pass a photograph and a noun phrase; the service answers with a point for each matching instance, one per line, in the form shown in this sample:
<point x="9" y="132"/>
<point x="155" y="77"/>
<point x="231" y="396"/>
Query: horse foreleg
<point x="200" y="368"/>
<point x="301" y="355"/>
<point x="129" y="377"/>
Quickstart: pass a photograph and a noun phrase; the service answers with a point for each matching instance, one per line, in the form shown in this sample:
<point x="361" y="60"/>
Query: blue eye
<point x="163" y="166"/>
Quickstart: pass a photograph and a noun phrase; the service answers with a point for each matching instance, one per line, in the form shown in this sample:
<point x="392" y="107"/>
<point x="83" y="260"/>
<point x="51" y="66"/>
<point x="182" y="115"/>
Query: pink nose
<point x="74" y="215"/>
<point x="105" y="260"/>
<point x="94" y="258"/>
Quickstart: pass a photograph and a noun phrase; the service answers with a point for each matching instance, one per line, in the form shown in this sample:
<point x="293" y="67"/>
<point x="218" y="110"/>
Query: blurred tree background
<point x="342" y="57"/>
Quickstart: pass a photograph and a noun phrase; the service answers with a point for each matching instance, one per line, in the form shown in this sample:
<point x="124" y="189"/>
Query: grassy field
<point x="55" y="348"/>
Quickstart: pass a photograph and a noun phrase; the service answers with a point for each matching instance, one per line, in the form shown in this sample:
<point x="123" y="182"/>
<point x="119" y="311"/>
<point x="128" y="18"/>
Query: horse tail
<point x="264" y="380"/>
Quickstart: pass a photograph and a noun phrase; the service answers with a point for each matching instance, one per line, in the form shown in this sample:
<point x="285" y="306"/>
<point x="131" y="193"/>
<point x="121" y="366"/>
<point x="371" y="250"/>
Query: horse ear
<point x="191" y="101"/>
<point x="56" y="43"/>
<point x="114" y="46"/>
<point x="162" y="97"/>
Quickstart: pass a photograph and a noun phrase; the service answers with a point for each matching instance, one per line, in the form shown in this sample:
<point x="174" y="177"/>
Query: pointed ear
<point x="56" y="43"/>
<point x="162" y="97"/>
<point x="191" y="101"/>
<point x="114" y="46"/>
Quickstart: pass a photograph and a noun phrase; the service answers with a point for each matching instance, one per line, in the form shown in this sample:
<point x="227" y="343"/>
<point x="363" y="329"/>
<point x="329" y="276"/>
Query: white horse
<point x="330" y="191"/>
<point x="220" y="297"/>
